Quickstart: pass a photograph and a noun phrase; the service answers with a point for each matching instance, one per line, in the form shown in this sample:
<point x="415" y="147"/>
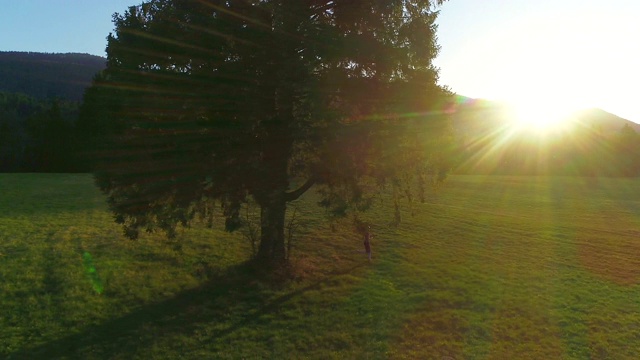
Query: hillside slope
<point x="591" y="142"/>
<point x="47" y="76"/>
<point x="479" y="117"/>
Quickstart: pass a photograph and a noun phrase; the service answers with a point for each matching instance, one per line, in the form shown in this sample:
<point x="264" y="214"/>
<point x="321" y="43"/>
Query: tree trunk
<point x="273" y="196"/>
<point x="272" y="213"/>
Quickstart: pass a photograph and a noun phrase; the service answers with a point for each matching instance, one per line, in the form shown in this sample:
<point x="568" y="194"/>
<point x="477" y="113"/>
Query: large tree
<point x="225" y="101"/>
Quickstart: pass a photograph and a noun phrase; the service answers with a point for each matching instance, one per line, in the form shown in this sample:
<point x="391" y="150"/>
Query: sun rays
<point x="540" y="117"/>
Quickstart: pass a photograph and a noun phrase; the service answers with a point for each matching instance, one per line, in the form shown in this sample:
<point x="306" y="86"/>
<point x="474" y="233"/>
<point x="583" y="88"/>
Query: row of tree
<point x="38" y="135"/>
<point x="40" y="97"/>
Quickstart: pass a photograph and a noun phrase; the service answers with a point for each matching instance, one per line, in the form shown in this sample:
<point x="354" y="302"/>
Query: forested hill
<point x="39" y="103"/>
<point x="48" y="76"/>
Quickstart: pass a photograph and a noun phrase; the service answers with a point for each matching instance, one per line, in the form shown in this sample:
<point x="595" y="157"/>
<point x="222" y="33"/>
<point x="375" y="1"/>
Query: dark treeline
<point x="39" y="135"/>
<point x="40" y="97"/>
<point x="46" y="136"/>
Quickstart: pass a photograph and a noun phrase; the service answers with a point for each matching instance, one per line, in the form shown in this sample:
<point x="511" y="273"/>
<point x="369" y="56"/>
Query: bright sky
<point x="58" y="26"/>
<point x="566" y="54"/>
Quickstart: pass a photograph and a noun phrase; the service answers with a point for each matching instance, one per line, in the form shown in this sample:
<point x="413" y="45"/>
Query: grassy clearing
<point x="490" y="268"/>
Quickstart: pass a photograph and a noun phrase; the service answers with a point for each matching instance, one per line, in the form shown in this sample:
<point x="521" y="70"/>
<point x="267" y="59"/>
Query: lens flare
<point x="92" y="273"/>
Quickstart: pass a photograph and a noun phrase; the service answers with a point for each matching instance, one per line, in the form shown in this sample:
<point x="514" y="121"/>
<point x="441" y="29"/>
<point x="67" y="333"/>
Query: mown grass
<point x="488" y="268"/>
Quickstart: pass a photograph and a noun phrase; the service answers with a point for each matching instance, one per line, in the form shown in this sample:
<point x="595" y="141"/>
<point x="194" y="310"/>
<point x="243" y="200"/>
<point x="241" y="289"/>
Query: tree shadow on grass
<point x="123" y="337"/>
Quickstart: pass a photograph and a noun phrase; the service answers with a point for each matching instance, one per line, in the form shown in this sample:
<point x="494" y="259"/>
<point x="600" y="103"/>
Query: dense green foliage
<point x="48" y="76"/>
<point x="236" y="101"/>
<point x="38" y="135"/>
<point x="548" y="271"/>
<point x="39" y="100"/>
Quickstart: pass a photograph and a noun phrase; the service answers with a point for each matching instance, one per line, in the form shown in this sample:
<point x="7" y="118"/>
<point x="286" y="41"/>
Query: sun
<point x="540" y="116"/>
<point x="546" y="73"/>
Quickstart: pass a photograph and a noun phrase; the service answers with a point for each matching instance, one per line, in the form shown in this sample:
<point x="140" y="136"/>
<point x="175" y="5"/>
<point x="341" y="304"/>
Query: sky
<point x="58" y="26"/>
<point x="563" y="54"/>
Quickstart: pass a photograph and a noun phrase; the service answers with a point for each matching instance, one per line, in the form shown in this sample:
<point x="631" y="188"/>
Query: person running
<point x="367" y="241"/>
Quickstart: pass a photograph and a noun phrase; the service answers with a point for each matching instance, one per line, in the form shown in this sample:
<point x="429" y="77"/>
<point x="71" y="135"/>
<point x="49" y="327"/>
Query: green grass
<point x="488" y="268"/>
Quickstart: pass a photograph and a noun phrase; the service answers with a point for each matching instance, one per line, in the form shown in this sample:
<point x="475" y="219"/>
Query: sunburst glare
<point x="541" y="117"/>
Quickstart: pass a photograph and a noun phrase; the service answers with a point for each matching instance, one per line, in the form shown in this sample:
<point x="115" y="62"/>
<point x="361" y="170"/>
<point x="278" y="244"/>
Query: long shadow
<point x="123" y="336"/>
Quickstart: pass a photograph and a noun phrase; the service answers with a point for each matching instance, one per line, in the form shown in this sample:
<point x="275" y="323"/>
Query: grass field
<point x="489" y="268"/>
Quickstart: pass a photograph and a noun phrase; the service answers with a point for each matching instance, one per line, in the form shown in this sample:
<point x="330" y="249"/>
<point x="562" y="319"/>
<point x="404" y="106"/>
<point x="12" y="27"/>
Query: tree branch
<point x="295" y="194"/>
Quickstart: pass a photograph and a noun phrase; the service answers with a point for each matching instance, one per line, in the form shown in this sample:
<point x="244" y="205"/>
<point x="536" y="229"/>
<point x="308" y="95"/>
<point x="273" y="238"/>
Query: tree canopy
<point x="215" y="103"/>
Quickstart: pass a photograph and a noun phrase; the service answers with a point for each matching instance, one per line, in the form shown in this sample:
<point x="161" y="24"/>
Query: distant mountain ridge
<point x="604" y="121"/>
<point x="480" y="116"/>
<point x="48" y="76"/>
<point x="590" y="142"/>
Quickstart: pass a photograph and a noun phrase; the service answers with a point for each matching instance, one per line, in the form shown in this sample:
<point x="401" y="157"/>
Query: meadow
<point x="488" y="268"/>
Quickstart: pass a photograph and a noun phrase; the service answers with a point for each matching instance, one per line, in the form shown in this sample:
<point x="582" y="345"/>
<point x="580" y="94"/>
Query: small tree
<point x="222" y="101"/>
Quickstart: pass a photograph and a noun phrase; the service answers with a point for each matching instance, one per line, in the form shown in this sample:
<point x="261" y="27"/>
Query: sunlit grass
<point x="489" y="268"/>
